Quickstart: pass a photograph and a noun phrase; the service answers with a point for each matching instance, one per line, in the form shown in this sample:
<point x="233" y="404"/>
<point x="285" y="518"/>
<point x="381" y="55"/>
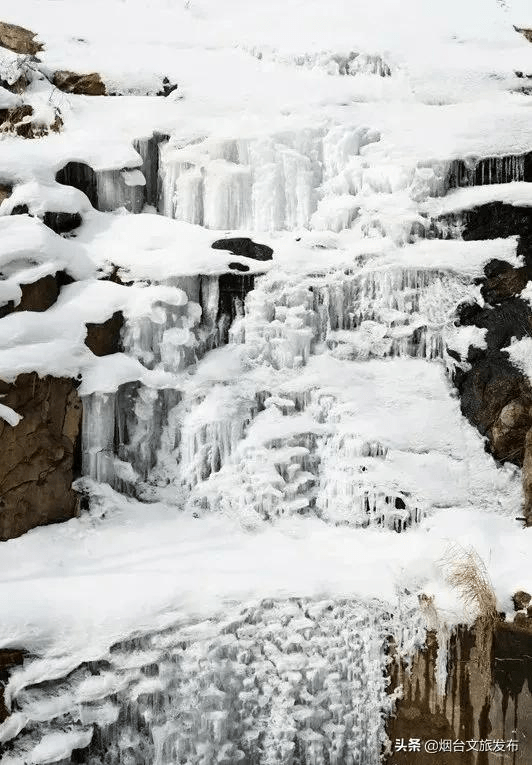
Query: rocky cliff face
<point x="496" y="396"/>
<point x="487" y="698"/>
<point x="37" y="462"/>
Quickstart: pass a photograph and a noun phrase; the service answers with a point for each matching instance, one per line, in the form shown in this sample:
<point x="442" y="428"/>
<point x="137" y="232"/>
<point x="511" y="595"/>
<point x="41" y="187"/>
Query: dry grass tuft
<point x="467" y="573"/>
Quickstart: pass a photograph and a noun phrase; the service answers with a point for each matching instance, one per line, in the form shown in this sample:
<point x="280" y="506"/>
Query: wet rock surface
<point x="487" y="698"/>
<point x="37" y="458"/>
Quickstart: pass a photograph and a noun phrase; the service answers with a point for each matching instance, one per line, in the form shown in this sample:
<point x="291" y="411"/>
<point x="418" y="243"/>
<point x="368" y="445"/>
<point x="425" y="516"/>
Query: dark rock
<point x="511" y="318"/>
<point x="82" y="177"/>
<point x="467" y="313"/>
<point x="20" y="210"/>
<point x="36" y="461"/>
<point x="79" y="84"/>
<point x="9" y="658"/>
<point x="62" y="223"/>
<point x="38" y="296"/>
<point x="5" y="191"/>
<point x="497" y="399"/>
<point x="496" y="267"/>
<point x="505" y="285"/>
<point x="244" y="248"/>
<point x="104" y="339"/>
<point x="521" y="620"/>
<point x="239" y="267"/>
<point x="233" y="290"/>
<point x="18" y="39"/>
<point x="168" y="87"/>
<point x="495" y="220"/>
<point x="521" y="600"/>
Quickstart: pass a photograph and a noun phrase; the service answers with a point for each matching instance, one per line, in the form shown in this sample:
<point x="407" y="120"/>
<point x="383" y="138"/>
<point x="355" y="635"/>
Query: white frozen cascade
<point x="305" y="399"/>
<point x="276" y="682"/>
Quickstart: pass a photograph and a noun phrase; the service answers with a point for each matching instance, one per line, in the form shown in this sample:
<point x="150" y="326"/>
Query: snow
<point x="515" y="194"/>
<point x="9" y="415"/>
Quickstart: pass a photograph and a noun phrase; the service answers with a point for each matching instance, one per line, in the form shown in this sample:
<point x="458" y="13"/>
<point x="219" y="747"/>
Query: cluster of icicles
<point x="296" y="682"/>
<point x="139" y="438"/>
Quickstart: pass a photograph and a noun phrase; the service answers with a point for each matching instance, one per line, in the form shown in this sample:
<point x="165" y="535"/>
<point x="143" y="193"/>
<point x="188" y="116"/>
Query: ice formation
<point x="303" y="400"/>
<point x="275" y="682"/>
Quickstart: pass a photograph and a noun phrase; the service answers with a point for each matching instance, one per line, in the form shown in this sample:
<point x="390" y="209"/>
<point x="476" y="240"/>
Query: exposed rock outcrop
<point x="104" y="339"/>
<point x="19" y="120"/>
<point x="79" y="84"/>
<point x="496" y="397"/>
<point x="37" y="459"/>
<point x="487" y="697"/>
<point x="18" y="39"/>
<point x="525" y="32"/>
<point x="38" y="296"/>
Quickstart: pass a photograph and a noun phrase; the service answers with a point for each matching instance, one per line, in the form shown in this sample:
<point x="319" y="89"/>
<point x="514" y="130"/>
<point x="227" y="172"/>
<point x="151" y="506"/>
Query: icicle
<point x="268" y="678"/>
<point x="98" y="430"/>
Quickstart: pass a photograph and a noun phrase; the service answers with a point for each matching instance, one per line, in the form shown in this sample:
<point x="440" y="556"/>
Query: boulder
<point x="521" y="599"/>
<point x="79" y="84"/>
<point x="244" y="248"/>
<point x="505" y="285"/>
<point x="39" y="455"/>
<point x="18" y="39"/>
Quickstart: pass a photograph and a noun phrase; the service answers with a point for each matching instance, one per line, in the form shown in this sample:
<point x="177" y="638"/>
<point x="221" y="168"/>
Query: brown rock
<point x="79" y="84"/>
<point x="521" y="620"/>
<point x="39" y="296"/>
<point x="525" y="32"/>
<point x="508" y="284"/>
<point x="509" y="430"/>
<point x="521" y="600"/>
<point x="18" y="39"/>
<point x="5" y="191"/>
<point x="104" y="339"/>
<point x="526" y="475"/>
<point x="37" y="457"/>
<point x="9" y="658"/>
<point x="16" y="121"/>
